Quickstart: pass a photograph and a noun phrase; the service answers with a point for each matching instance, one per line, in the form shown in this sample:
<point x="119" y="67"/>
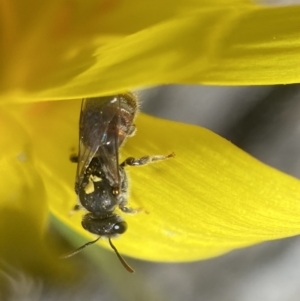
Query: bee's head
<point x="108" y="226"/>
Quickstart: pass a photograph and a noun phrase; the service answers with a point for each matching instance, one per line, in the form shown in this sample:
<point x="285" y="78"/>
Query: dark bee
<point x="101" y="182"/>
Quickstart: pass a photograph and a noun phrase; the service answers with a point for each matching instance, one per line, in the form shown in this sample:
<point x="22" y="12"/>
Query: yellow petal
<point x="26" y="245"/>
<point x="210" y="199"/>
<point x="58" y="50"/>
<point x="23" y="208"/>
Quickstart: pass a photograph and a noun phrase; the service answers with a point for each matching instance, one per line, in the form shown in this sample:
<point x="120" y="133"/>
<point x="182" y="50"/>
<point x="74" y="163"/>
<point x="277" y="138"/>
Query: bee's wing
<point x="98" y="136"/>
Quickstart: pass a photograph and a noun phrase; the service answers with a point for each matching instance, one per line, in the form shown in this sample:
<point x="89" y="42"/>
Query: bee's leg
<point x="131" y="131"/>
<point x="129" y="210"/>
<point x="146" y="160"/>
<point x="76" y="208"/>
<point x="74" y="158"/>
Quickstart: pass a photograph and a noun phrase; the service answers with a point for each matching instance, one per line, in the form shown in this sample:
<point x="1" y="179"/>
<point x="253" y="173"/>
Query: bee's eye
<point x="120" y="227"/>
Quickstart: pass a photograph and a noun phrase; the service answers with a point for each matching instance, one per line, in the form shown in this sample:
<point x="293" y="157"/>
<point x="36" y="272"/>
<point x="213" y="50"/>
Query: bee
<point x="101" y="181"/>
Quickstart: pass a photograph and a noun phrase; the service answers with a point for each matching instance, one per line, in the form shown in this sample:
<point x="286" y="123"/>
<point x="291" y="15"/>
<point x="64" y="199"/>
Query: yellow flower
<point x="212" y="197"/>
<point x="60" y="50"/>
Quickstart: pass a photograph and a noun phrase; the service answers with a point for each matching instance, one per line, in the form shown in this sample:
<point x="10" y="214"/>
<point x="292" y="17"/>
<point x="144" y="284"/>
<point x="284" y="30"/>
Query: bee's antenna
<point x="122" y="260"/>
<point x="70" y="254"/>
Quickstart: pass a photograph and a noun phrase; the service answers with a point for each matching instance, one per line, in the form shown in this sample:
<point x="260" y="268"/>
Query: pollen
<point x="95" y="178"/>
<point x="89" y="188"/>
